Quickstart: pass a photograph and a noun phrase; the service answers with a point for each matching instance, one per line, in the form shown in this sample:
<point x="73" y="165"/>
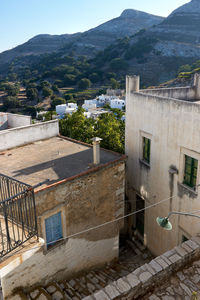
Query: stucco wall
<point x="8" y="120"/>
<point x="18" y="120"/>
<point x="3" y="121"/>
<point x="23" y="135"/>
<point x="85" y="202"/>
<point x="173" y="127"/>
<point x="181" y="93"/>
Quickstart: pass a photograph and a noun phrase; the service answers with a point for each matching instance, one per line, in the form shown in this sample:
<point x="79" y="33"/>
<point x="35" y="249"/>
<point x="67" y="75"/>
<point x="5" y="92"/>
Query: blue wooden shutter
<point x="53" y="227"/>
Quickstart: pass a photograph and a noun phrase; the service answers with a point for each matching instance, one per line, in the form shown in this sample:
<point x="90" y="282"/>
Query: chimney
<point x="132" y="84"/>
<point x="96" y="150"/>
<point x="197" y="86"/>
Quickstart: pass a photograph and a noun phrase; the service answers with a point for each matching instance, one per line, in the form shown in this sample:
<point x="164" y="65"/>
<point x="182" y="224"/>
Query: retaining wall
<point x="138" y="283"/>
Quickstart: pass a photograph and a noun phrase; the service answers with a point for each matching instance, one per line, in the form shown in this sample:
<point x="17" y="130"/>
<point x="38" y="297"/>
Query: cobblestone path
<point x="180" y="286"/>
<point x="88" y="283"/>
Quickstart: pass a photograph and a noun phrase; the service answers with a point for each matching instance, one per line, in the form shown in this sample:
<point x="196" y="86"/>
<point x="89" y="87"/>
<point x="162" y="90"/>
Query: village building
<point x="163" y="168"/>
<point x="64" y="109"/>
<point x="117" y="103"/>
<point x="89" y="104"/>
<point x="85" y="189"/>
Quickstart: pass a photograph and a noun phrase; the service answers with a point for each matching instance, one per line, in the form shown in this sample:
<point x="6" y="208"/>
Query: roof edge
<point x="85" y="173"/>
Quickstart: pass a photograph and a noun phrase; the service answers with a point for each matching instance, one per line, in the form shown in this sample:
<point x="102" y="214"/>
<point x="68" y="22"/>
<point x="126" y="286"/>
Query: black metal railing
<point x="18" y="222"/>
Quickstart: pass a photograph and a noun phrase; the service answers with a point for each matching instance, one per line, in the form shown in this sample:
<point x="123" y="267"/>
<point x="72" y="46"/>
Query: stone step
<point x="139" y="245"/>
<point x="134" y="247"/>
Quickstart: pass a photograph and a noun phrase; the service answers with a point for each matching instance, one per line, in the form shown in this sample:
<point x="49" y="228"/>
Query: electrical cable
<point x="95" y="227"/>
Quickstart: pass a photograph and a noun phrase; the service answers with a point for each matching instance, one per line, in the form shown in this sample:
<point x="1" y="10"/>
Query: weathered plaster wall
<point x="8" y="120"/>
<point x="85" y="202"/>
<point x="181" y="93"/>
<point x="23" y="135"/>
<point x="18" y="120"/>
<point x="173" y="127"/>
<point x="3" y="121"/>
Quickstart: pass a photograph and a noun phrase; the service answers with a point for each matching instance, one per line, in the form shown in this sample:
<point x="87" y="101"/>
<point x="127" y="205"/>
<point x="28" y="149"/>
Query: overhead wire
<point x="98" y="226"/>
<point x="94" y="227"/>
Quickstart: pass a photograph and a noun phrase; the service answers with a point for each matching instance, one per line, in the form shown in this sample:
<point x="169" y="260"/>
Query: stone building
<point x="163" y="148"/>
<point x="81" y="194"/>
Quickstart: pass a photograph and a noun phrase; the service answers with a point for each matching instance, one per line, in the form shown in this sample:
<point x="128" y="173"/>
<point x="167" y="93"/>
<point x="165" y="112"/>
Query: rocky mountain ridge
<point x="182" y="25"/>
<point x="86" y="43"/>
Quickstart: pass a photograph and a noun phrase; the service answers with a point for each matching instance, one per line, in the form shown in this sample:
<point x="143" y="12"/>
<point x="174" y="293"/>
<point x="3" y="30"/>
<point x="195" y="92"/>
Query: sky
<point x="23" y="19"/>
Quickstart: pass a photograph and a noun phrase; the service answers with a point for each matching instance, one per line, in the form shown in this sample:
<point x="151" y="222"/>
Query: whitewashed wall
<point x="23" y="135"/>
<point x="174" y="129"/>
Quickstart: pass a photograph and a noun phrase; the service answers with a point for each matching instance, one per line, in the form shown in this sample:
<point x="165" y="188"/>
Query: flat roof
<point x="55" y="159"/>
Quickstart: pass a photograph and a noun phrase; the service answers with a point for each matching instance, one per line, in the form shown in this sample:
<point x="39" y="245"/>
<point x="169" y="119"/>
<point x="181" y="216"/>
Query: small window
<point x="53" y="226"/>
<point x="146" y="149"/>
<point x="190" y="173"/>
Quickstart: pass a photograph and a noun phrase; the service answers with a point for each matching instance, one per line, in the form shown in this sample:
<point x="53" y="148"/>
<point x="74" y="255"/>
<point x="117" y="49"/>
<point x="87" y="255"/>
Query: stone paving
<point x="173" y="275"/>
<point x="184" y="285"/>
<point x="89" y="283"/>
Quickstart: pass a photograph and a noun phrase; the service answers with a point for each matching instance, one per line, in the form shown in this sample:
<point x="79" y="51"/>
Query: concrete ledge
<point x="16" y="137"/>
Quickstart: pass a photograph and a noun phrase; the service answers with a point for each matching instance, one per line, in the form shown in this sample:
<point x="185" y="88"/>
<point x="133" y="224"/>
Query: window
<point x="190" y="173"/>
<point x="53" y="227"/>
<point x="146" y="149"/>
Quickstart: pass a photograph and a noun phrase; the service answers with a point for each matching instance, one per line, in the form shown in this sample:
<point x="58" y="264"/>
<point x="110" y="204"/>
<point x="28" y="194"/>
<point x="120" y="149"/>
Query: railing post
<point x="7" y="228"/>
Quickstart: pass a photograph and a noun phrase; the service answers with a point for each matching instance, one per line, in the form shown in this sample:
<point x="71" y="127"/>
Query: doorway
<point x="140" y="205"/>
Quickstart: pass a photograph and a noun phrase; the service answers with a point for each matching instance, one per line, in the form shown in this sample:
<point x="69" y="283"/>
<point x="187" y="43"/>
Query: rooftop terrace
<point x="55" y="159"/>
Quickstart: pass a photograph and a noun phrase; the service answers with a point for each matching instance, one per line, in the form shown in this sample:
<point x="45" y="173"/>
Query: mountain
<point x="180" y="31"/>
<point x="86" y="43"/>
<point x="157" y="53"/>
<point x="155" y="48"/>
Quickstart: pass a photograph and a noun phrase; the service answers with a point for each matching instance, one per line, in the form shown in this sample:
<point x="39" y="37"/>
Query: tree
<point x="77" y="126"/>
<point x="185" y="68"/>
<point x="118" y="64"/>
<point x="84" y="84"/>
<point x="31" y="110"/>
<point x="107" y="106"/>
<point x="68" y="97"/>
<point x="55" y="88"/>
<point x="94" y="77"/>
<point x="10" y="102"/>
<point x="32" y="93"/>
<point x="45" y="83"/>
<point x="47" y="92"/>
<point x="59" y="83"/>
<point x="107" y="126"/>
<point x="69" y="79"/>
<point x="12" y="76"/>
<point x="49" y="115"/>
<point x="57" y="101"/>
<point x="12" y="89"/>
<point x="110" y="75"/>
<point x="111" y="131"/>
<point x="114" y="83"/>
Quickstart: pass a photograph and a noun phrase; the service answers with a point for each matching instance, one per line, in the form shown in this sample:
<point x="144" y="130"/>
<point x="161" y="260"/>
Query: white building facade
<point x="163" y="168"/>
<point x="64" y="109"/>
